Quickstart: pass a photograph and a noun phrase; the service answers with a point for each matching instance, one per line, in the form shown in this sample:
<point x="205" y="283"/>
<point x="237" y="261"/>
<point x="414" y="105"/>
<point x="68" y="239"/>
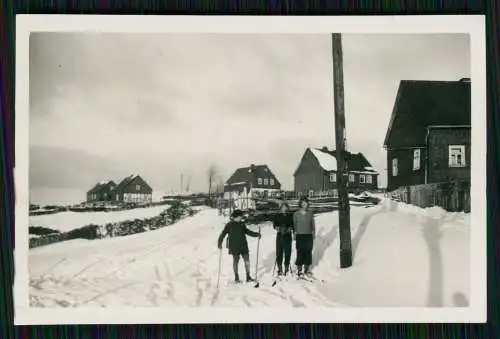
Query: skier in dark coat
<point x="283" y="224"/>
<point x="237" y="243"/>
<point x="305" y="231"/>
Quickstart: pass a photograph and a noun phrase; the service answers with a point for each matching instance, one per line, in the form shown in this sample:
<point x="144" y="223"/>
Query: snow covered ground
<point x="66" y="221"/>
<point x="403" y="256"/>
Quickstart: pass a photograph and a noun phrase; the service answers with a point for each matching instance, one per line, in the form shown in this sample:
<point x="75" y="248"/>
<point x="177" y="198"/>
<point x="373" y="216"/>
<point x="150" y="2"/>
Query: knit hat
<point x="237" y="213"/>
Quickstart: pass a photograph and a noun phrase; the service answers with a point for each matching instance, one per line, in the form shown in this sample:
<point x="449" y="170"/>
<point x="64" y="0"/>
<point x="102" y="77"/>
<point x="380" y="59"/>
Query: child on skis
<point x="237" y="243"/>
<point x="304" y="230"/>
<point x="283" y="224"/>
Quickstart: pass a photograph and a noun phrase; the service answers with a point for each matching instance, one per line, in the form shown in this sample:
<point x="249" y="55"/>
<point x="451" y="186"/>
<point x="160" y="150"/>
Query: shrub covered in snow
<point x="88" y="232"/>
<point x="176" y="211"/>
<point x="39" y="230"/>
<point x="128" y="227"/>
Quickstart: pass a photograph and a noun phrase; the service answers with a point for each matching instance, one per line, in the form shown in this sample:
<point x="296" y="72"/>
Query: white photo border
<point x="470" y="24"/>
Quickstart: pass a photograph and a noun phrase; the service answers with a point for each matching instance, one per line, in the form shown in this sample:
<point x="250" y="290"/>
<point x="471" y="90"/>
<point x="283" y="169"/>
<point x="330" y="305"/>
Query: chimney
<point x="465" y="80"/>
<point x="324" y="149"/>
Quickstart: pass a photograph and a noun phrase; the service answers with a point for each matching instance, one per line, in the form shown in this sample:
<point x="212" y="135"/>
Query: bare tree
<point x="211" y="174"/>
<point x="188" y="185"/>
<point x="219" y="188"/>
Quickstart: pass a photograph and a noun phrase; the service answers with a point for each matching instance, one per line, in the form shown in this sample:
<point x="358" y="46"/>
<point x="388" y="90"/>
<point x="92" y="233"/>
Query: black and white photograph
<point x="256" y="173"/>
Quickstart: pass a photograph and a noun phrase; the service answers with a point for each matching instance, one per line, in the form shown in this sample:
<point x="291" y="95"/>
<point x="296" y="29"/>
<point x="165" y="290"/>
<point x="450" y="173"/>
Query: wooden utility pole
<point x="340" y="140"/>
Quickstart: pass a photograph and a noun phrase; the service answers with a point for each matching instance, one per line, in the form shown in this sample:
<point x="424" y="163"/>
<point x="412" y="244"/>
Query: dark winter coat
<point x="283" y="223"/>
<point x="237" y="242"/>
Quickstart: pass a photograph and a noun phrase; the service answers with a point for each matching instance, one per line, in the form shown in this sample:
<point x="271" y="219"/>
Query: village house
<point x="255" y="181"/>
<point x="133" y="189"/>
<point x="429" y="135"/>
<point x="101" y="191"/>
<point x="317" y="173"/>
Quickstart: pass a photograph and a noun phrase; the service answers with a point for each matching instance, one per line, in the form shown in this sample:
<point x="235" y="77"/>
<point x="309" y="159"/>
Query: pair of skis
<point x="302" y="277"/>
<point x="277" y="279"/>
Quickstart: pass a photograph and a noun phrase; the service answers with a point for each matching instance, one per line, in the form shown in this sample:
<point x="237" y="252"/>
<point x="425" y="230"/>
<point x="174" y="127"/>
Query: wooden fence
<point x="451" y="196"/>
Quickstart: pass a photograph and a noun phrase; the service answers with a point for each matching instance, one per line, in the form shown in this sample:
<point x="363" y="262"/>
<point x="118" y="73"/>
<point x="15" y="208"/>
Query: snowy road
<point x="177" y="266"/>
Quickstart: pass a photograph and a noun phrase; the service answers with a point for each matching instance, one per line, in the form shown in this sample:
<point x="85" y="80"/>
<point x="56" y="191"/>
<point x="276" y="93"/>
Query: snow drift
<point x="403" y="256"/>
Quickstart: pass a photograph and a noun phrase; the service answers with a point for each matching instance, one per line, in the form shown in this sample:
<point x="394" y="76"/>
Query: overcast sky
<point x="103" y="106"/>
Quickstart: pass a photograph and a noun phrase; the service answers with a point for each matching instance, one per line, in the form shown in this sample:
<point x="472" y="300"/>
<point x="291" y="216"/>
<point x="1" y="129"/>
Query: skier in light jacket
<point x="305" y="231"/>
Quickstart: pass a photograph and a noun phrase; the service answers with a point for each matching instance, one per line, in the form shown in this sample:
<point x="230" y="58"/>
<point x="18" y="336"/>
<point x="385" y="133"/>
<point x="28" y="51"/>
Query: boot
<point x="287" y="269"/>
<point x="237" y="278"/>
<point x="307" y="270"/>
<point x="299" y="270"/>
<point x="249" y="278"/>
<point x="280" y="271"/>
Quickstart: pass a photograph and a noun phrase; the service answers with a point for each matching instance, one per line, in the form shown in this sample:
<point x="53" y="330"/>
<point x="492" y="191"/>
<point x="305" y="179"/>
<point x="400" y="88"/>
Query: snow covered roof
<point x="101" y="185"/>
<point x="370" y="169"/>
<point x="126" y="181"/>
<point x="356" y="162"/>
<point x="105" y="182"/>
<point x="326" y="161"/>
<point x="245" y="174"/>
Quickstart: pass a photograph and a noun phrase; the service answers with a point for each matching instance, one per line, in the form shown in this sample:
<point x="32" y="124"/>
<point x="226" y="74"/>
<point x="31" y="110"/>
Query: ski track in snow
<point x="173" y="266"/>
<point x="177" y="266"/>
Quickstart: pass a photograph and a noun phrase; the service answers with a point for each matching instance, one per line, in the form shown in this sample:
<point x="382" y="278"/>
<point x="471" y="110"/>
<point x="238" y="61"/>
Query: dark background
<point x="8" y="10"/>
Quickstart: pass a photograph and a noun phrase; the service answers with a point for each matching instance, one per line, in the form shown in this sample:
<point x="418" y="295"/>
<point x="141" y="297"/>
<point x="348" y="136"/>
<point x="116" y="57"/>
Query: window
<point x="368" y="179"/>
<point x="137" y="187"/>
<point x="311" y="194"/>
<point x="259" y="181"/>
<point x="271" y="181"/>
<point x="351" y="177"/>
<point x="362" y="179"/>
<point x="416" y="159"/>
<point x="266" y="182"/>
<point x="456" y="156"/>
<point x="333" y="177"/>
<point x="395" y="167"/>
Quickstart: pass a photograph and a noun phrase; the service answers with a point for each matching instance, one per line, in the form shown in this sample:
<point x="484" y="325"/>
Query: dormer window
<point x="137" y="187"/>
<point x="266" y="182"/>
<point x="259" y="181"/>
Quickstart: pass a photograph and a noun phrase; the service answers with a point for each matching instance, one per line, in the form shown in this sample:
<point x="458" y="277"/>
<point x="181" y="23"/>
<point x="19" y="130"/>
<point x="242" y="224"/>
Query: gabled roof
<point x="126" y="181"/>
<point x="100" y="185"/>
<point x="326" y="160"/>
<point x="420" y="104"/>
<point x="244" y="175"/>
<point x="355" y="161"/>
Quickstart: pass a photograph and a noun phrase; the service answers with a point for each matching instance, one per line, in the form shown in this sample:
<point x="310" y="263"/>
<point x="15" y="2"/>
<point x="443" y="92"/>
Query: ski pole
<point x="220" y="262"/>
<point x="257" y="261"/>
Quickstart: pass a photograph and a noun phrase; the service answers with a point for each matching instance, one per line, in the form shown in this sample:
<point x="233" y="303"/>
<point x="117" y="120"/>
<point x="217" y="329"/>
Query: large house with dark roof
<point x="101" y="191"/>
<point x="133" y="189"/>
<point x="429" y="135"/>
<point x="252" y="181"/>
<point x="317" y="172"/>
